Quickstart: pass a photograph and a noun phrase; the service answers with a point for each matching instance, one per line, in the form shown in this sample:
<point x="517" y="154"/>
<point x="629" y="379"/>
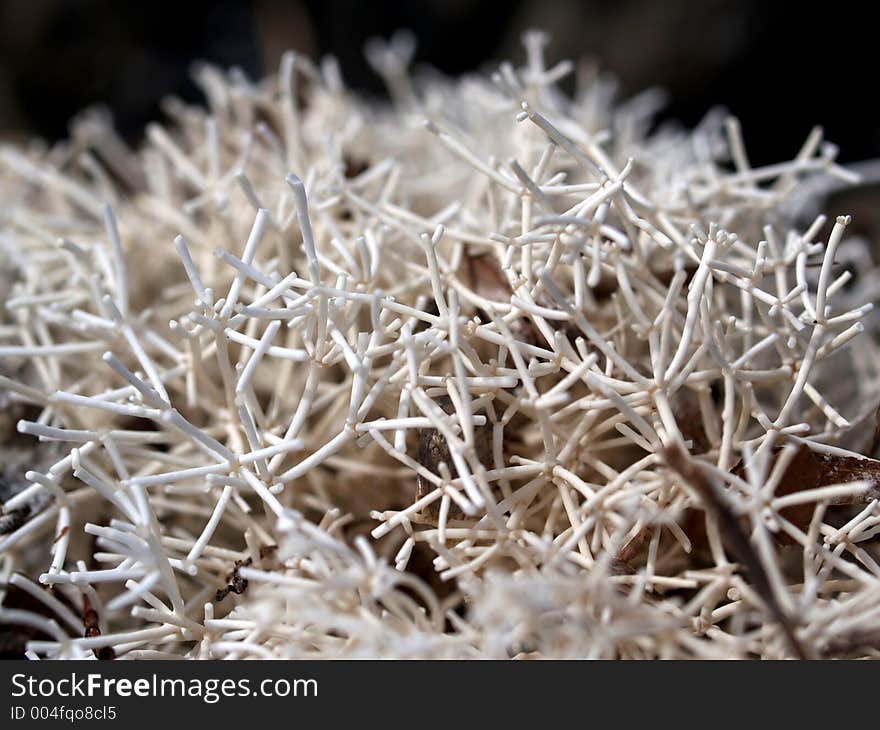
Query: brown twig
<point x="715" y="503"/>
<point x="90" y="622"/>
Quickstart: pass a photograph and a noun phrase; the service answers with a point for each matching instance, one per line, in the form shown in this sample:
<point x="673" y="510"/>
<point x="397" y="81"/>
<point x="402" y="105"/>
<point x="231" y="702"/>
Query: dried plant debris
<point x="805" y="470"/>
<point x="874" y="445"/>
<point x="92" y="627"/>
<point x="523" y="380"/>
<point x="28" y="504"/>
<point x="435" y="455"/>
<point x="237" y="584"/>
<point x="735" y="538"/>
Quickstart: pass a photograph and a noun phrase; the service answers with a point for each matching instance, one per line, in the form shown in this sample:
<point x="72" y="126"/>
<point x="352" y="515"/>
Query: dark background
<point x="780" y="67"/>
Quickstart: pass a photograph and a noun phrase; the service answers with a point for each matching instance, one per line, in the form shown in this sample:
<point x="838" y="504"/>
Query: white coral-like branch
<point x="314" y="378"/>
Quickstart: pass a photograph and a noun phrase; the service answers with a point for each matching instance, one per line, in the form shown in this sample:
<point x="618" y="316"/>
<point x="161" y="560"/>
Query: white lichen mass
<point x="486" y="370"/>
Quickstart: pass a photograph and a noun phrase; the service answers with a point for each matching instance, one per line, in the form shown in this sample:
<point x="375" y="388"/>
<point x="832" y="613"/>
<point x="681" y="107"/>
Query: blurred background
<point x="780" y="67"/>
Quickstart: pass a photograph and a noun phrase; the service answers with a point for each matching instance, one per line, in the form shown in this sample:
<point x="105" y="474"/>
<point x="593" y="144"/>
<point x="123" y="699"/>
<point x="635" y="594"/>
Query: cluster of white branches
<point x="242" y="344"/>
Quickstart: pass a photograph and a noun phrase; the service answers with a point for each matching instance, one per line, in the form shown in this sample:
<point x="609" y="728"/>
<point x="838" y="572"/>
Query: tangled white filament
<point x="531" y="281"/>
